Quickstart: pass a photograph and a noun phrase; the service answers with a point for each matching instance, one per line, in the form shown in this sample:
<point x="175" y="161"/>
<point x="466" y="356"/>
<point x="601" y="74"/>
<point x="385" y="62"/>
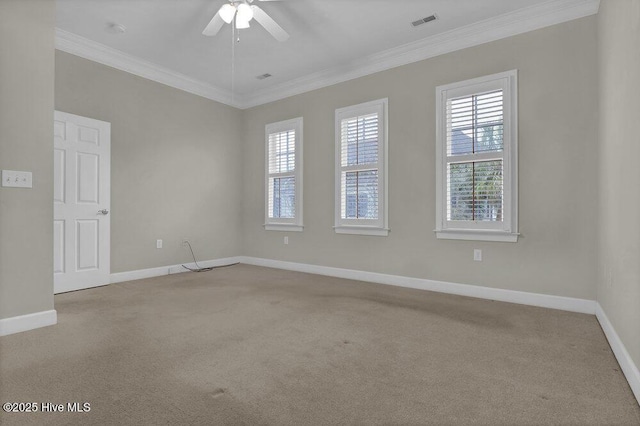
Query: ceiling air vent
<point x="424" y="20"/>
<point x="263" y="76"/>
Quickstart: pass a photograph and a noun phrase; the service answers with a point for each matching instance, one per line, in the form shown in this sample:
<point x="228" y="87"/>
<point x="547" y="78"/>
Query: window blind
<point x="282" y="180"/>
<point x="475" y="157"/>
<point x="359" y="161"/>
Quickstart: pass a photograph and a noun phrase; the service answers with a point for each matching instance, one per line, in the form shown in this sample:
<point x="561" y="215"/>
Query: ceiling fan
<point x="243" y="12"/>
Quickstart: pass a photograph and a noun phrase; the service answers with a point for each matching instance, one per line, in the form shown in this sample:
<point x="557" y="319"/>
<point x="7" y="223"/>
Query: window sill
<point x="477" y="235"/>
<point x="362" y="230"/>
<point x="283" y="227"/>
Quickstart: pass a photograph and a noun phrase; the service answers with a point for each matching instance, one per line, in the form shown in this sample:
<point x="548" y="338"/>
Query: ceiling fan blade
<point x="269" y="24"/>
<point x="214" y="26"/>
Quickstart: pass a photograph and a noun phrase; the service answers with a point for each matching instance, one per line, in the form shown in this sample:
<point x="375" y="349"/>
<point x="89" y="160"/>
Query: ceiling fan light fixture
<point x="241" y="13"/>
<point x="245" y="13"/>
<point x="227" y="12"/>
<point x="241" y="24"/>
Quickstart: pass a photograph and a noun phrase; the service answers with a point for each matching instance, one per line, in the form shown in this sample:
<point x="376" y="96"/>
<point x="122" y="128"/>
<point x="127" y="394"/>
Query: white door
<point x="81" y="202"/>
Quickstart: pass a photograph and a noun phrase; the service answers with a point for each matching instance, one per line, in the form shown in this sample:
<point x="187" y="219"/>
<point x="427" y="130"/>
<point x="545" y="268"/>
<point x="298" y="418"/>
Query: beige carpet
<point x="250" y="345"/>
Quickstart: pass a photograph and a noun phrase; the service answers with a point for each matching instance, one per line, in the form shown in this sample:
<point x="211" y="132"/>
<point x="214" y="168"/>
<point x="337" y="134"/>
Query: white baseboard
<point x="629" y="368"/>
<point x="524" y="298"/>
<point x="28" y="322"/>
<point x="166" y="270"/>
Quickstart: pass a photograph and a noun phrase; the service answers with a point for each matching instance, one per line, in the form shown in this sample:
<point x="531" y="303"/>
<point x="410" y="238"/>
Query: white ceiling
<point x="327" y="36"/>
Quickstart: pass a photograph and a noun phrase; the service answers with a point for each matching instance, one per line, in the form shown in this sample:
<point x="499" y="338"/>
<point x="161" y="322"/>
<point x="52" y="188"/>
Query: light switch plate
<point x="17" y="179"/>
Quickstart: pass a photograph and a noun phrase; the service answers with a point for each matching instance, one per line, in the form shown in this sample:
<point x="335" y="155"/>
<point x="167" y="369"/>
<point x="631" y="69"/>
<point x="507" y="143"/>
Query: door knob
<point x="103" y="211"/>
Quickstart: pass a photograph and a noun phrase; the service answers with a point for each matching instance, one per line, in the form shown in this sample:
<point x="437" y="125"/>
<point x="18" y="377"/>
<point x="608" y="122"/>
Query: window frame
<point x="507" y="230"/>
<point x="294" y="224"/>
<point x="379" y="226"/>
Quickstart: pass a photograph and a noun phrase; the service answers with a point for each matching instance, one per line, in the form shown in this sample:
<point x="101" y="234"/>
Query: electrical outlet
<point x="158" y="244"/>
<point x="477" y="255"/>
<point x="286" y="240"/>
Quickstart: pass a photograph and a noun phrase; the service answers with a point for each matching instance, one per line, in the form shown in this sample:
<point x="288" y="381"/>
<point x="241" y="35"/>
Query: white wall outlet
<point x="477" y="255"/>
<point x="159" y="244"/>
<point x="15" y="179"/>
<point x="286" y="240"/>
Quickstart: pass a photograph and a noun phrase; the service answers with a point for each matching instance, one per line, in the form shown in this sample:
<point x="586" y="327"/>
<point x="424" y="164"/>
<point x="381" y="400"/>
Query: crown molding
<point x="97" y="52"/>
<point x="502" y="26"/>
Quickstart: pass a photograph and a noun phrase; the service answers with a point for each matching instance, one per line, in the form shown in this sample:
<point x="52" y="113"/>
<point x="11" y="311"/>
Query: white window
<point x="476" y="159"/>
<point x="283" y="180"/>
<point x="361" y="169"/>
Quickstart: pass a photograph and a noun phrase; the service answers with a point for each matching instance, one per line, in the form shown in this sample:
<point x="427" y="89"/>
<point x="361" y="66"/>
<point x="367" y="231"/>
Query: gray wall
<point x="26" y="129"/>
<point x="176" y="167"/>
<point x="619" y="173"/>
<point x="558" y="133"/>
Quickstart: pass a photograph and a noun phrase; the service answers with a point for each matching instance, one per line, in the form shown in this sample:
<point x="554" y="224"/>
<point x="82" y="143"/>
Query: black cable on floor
<point x="198" y="268"/>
